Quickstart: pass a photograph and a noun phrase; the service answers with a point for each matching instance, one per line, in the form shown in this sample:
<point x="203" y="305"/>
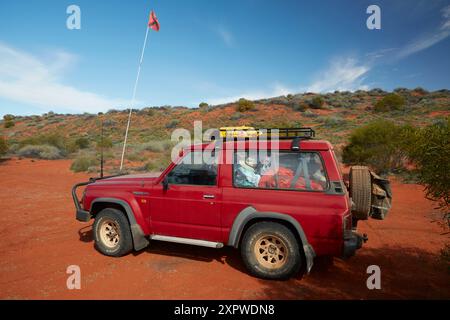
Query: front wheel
<point x="112" y="233"/>
<point x="271" y="251"/>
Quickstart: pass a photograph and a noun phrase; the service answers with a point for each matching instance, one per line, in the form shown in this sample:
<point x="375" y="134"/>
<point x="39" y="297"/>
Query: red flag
<point x="153" y="21"/>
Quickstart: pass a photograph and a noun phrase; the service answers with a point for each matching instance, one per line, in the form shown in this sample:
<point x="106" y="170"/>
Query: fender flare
<point x="250" y="213"/>
<point x="139" y="239"/>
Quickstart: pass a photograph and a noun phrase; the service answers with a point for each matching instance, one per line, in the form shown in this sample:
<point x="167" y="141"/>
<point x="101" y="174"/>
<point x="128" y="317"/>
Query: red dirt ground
<point x="41" y="238"/>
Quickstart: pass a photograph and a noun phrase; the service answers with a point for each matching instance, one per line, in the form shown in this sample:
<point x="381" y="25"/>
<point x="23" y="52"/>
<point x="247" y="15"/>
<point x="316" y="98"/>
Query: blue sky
<point x="214" y="51"/>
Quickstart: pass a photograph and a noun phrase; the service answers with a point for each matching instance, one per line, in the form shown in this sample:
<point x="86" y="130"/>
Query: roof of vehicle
<point x="309" y="144"/>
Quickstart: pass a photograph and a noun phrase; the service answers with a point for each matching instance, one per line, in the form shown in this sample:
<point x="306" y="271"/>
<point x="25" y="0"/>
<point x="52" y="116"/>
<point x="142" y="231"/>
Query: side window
<point x="295" y="171"/>
<point x="192" y="172"/>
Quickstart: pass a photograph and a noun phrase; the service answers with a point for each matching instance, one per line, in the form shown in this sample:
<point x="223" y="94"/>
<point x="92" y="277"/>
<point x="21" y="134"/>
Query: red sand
<point x="41" y="238"/>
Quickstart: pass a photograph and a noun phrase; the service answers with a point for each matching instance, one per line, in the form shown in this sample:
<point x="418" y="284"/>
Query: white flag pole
<point x="134" y="97"/>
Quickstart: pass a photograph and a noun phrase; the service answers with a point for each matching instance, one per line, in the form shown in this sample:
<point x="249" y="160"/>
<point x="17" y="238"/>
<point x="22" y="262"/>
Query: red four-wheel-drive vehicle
<point x="280" y="216"/>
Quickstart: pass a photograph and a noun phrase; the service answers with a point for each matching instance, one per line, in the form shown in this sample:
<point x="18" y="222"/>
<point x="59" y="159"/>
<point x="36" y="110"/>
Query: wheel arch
<point x="139" y="239"/>
<point x="249" y="216"/>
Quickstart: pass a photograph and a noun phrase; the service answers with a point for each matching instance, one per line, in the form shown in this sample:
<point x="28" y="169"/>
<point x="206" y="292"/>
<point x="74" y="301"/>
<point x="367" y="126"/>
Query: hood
<point x="147" y="178"/>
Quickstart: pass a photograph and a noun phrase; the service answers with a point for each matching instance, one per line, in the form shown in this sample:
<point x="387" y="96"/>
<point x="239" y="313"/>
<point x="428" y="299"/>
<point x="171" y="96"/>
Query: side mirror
<point x="165" y="183"/>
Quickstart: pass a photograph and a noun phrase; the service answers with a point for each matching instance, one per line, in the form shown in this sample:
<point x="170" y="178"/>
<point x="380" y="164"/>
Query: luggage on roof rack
<point x="266" y="133"/>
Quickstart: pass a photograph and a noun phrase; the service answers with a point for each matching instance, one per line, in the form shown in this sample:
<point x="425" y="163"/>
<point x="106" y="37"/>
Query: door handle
<point x="209" y="196"/>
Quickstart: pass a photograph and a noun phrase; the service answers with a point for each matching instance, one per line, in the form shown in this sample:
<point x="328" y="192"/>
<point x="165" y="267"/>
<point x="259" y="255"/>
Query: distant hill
<point x="332" y="115"/>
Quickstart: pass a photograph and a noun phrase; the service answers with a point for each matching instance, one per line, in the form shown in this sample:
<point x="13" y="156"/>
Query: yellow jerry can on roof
<point x="239" y="132"/>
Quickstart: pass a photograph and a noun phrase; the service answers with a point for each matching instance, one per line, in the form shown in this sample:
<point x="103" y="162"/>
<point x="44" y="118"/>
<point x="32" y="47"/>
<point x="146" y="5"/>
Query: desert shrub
<point x="310" y="114"/>
<point x="158" y="164"/>
<point x="8" y="117"/>
<point x="421" y="91"/>
<point x="401" y="90"/>
<point x="333" y="121"/>
<point x="83" y="163"/>
<point x="55" y="139"/>
<point x="47" y="152"/>
<point x="82" y="143"/>
<point x="379" y="144"/>
<point x="289" y="96"/>
<point x="244" y="105"/>
<point x="203" y="105"/>
<point x="155" y="146"/>
<point x="390" y="102"/>
<point x="316" y="102"/>
<point x="376" y="92"/>
<point x="8" y="124"/>
<point x="236" y="116"/>
<point x="172" y="124"/>
<point x="298" y="106"/>
<point x="279" y="100"/>
<point x="109" y="123"/>
<point x="105" y="143"/>
<point x="430" y="151"/>
<point x="3" y="146"/>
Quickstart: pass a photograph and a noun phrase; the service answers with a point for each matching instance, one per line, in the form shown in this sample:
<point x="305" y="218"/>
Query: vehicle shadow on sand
<point x="86" y="234"/>
<point x="225" y="255"/>
<point x="406" y="273"/>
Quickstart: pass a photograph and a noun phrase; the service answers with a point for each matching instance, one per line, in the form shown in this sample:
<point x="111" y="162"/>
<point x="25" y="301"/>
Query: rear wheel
<point x="271" y="251"/>
<point x="361" y="192"/>
<point x="112" y="233"/>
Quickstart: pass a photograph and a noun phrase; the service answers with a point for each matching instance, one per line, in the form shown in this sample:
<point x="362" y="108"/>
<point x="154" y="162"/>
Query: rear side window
<point x="190" y="172"/>
<point x="294" y="171"/>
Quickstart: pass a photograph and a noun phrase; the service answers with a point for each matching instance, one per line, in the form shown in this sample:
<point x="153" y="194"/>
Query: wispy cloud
<point x="226" y="35"/>
<point x="342" y="74"/>
<point x="428" y="40"/>
<point x="28" y="79"/>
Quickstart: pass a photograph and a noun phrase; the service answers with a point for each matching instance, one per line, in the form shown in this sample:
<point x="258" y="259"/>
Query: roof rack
<point x="267" y="133"/>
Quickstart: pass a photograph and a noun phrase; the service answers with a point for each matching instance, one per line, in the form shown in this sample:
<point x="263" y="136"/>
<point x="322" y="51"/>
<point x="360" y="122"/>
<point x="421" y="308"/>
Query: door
<point x="190" y="207"/>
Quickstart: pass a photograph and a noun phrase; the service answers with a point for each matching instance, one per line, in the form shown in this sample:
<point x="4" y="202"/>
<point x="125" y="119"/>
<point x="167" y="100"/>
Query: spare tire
<point x="360" y="192"/>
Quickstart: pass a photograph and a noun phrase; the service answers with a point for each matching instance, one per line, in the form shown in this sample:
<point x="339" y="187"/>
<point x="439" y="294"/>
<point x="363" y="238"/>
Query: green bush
<point x="430" y="151"/>
<point x="3" y="146"/>
<point x="105" y="143"/>
<point x="55" y="139"/>
<point x="8" y="121"/>
<point x="82" y="143"/>
<point x="172" y="124"/>
<point x="8" y="117"/>
<point x="332" y="121"/>
<point x="299" y="106"/>
<point x="316" y="102"/>
<point x="244" y="105"/>
<point x="421" y="91"/>
<point x="83" y="162"/>
<point x="390" y="102"/>
<point x="310" y="114"/>
<point x="203" y="105"/>
<point x="155" y="146"/>
<point x="236" y="116"/>
<point x="47" y="152"/>
<point x="379" y="144"/>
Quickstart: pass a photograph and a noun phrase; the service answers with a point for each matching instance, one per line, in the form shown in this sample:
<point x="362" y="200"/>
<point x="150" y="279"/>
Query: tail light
<point x="347" y="225"/>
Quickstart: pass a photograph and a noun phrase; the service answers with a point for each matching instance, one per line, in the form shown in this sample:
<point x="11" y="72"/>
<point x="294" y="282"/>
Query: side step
<point x="195" y="242"/>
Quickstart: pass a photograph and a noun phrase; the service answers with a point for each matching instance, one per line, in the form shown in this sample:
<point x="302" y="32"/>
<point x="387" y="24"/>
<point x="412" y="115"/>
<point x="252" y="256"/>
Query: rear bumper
<point x="352" y="242"/>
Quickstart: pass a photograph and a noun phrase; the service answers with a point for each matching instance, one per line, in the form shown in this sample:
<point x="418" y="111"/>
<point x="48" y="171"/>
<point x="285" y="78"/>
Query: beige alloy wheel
<point x="271" y="252"/>
<point x="109" y="233"/>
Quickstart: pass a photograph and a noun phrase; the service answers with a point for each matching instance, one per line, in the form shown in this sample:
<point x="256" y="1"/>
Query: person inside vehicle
<point x="246" y="174"/>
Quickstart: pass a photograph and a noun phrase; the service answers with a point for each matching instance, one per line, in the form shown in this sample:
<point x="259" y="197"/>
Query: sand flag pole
<point x="154" y="25"/>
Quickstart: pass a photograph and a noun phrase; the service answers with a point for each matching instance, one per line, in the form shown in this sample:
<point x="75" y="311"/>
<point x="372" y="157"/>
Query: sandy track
<point x="40" y="238"/>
